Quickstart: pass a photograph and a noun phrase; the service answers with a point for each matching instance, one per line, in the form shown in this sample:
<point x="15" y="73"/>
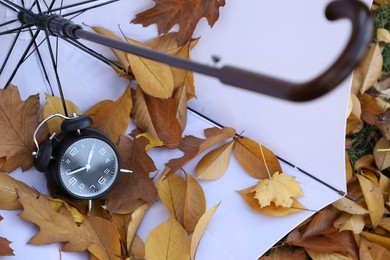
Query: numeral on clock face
<point x="102" y="180"/>
<point x="73" y="151"/>
<point x="72" y="181"/>
<point x="102" y="151"/>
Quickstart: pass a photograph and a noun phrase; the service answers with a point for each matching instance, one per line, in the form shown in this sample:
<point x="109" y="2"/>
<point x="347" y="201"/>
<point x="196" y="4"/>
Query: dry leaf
<point x="331" y="241"/>
<point x="200" y="229"/>
<point x="8" y="192"/>
<point x="172" y="192"/>
<point x="54" y="106"/>
<point x="354" y="122"/>
<point x="319" y="224"/>
<point x="17" y="125"/>
<point x="121" y="55"/>
<point x="192" y="146"/>
<point x="153" y="141"/>
<point x="155" y="78"/>
<point x="113" y="117"/>
<point x="370" y="69"/>
<point x="348" y="168"/>
<point x="194" y="205"/>
<point x="168" y="241"/>
<point x="381" y="240"/>
<point x="214" y="164"/>
<point x="249" y="155"/>
<point x="185" y="13"/>
<point x="137" y="249"/>
<point x="316" y="255"/>
<point x="383" y="35"/>
<point x="384" y="185"/>
<point x="5" y="249"/>
<point x="349" y="206"/>
<point x="96" y="235"/>
<point x="382" y="154"/>
<point x="136" y="218"/>
<point x="180" y="97"/>
<point x="372" y="251"/>
<point x="272" y="210"/>
<point x="354" y="223"/>
<point x="132" y="187"/>
<point x="279" y="189"/>
<point x="157" y="117"/>
<point x="281" y="253"/>
<point x="374" y="199"/>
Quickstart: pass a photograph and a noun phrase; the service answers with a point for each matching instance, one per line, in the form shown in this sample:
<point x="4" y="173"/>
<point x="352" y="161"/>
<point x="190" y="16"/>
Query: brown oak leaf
<point x="167" y="13"/>
<point x="132" y="187"/>
<point x="4" y="245"/>
<point x="192" y="146"/>
<point x="94" y="234"/>
<point x="18" y="121"/>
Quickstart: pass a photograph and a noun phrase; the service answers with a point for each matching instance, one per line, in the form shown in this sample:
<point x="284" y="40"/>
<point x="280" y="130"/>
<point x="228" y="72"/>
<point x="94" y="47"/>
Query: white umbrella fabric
<point x="289" y="40"/>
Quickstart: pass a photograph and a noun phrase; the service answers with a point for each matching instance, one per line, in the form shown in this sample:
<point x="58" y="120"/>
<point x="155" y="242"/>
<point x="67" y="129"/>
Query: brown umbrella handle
<point x="356" y="11"/>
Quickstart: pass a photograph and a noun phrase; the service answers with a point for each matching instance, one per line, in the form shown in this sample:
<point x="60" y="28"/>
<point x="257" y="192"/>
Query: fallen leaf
<point x="5" y="249"/>
<point x="370" y="69"/>
<point x="157" y="117"/>
<point x="180" y="98"/>
<point x="381" y="240"/>
<point x="279" y="189"/>
<point x="192" y="146"/>
<point x="281" y="253"/>
<point x="194" y="204"/>
<point x="348" y="168"/>
<point x="168" y="241"/>
<point x="17" y="125"/>
<point x="326" y="256"/>
<point x="121" y="222"/>
<point x="200" y="229"/>
<point x="153" y="141"/>
<point x="369" y="250"/>
<point x="354" y="121"/>
<point x="354" y="223"/>
<point x="155" y="78"/>
<point x="331" y="241"/>
<point x="137" y="249"/>
<point x="121" y="55"/>
<point x="374" y="199"/>
<point x="136" y="218"/>
<point x="346" y="205"/>
<point x="250" y="157"/>
<point x="383" y="35"/>
<point x="96" y="235"/>
<point x="132" y="187"/>
<point x="172" y="192"/>
<point x="319" y="223"/>
<point x="165" y="14"/>
<point x="382" y="154"/>
<point x="9" y="199"/>
<point x="113" y="118"/>
<point x="384" y="185"/>
<point x="215" y="163"/>
<point x="54" y="105"/>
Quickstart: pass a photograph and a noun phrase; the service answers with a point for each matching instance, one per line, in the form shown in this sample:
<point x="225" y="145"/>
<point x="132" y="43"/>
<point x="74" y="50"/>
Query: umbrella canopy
<point x="288" y="40"/>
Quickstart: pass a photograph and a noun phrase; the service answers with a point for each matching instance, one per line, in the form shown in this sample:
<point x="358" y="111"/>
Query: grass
<point x="382" y="20"/>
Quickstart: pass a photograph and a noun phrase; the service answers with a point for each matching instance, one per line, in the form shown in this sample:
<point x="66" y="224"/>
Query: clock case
<point x="49" y="152"/>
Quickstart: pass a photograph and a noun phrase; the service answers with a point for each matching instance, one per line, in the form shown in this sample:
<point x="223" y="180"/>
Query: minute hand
<point x="88" y="165"/>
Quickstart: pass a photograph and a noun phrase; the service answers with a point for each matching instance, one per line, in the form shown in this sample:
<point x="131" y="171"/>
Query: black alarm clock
<point x="80" y="162"/>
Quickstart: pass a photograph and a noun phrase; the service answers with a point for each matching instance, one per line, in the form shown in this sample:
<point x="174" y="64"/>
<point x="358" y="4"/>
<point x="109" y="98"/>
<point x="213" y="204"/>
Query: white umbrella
<point x="288" y="40"/>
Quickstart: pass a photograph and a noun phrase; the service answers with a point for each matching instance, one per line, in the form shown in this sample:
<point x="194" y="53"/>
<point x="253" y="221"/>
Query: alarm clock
<point x="80" y="162"/>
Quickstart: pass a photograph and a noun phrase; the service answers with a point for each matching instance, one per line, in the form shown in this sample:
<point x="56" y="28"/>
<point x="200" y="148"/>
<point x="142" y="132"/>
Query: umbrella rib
<point x="9" y="52"/>
<point x="340" y="192"/>
<point x="10" y="5"/>
<point x="22" y="58"/>
<point x="89" y="8"/>
<point x="9" y="22"/>
<point x="15" y="29"/>
<point x="73" y="5"/>
<point x="41" y="62"/>
<point x="52" y="58"/>
<point x="93" y="53"/>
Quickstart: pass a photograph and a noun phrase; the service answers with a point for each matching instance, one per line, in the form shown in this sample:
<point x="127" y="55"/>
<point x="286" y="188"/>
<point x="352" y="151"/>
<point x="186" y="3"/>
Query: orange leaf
<point x="113" y="118"/>
<point x="4" y="245"/>
<point x="194" y="205"/>
<point x="250" y="157"/>
<point x="17" y="125"/>
<point x="185" y="13"/>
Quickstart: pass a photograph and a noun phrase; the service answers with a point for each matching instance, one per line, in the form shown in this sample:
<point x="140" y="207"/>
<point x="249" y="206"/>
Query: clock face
<point x="88" y="167"/>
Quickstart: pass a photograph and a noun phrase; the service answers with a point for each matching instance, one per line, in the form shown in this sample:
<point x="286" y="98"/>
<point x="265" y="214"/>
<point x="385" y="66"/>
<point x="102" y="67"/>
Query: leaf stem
<point x="265" y="162"/>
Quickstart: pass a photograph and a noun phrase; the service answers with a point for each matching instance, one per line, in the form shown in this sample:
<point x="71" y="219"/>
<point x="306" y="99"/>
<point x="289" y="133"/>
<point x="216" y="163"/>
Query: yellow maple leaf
<point x="280" y="189"/>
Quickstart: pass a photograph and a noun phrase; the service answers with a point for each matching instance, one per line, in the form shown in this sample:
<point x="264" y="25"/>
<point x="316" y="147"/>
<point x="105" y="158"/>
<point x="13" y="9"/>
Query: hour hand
<point x="76" y="171"/>
<point x="88" y="165"/>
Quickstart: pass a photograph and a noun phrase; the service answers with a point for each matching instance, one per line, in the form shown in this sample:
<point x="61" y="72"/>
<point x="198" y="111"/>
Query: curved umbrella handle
<point x="362" y="27"/>
<point x="356" y="11"/>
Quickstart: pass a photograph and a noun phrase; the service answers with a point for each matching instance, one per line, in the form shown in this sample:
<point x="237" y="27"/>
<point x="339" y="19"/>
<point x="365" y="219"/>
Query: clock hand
<point x="88" y="165"/>
<point x="76" y="171"/>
